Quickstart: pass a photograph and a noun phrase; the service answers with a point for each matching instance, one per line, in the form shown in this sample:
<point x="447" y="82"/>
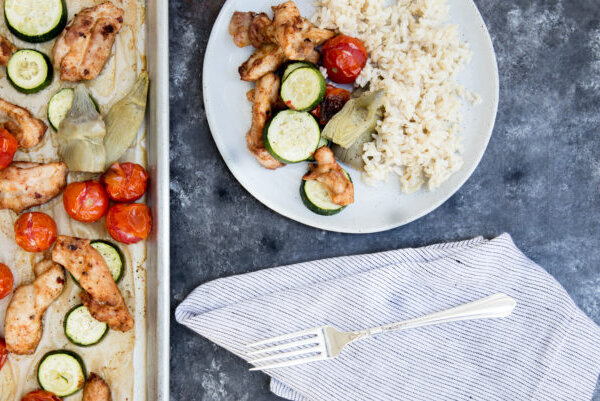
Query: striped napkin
<point x="546" y="350"/>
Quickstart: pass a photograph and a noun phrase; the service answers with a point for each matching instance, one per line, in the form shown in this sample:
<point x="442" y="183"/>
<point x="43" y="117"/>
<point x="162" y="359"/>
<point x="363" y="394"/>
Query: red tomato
<point x="3" y="353"/>
<point x="334" y="100"/>
<point x="129" y="222"/>
<point x="8" y="148"/>
<point x="40" y="395"/>
<point x="125" y="182"/>
<point x="86" y="201"/>
<point x="35" y="231"/>
<point x="344" y="57"/>
<point x="6" y="286"/>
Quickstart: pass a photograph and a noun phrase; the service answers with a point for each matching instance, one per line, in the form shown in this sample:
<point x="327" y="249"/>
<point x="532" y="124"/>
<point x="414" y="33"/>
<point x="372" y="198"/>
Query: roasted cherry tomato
<point x="6" y="286"/>
<point x="86" y="201"/>
<point x="8" y="148"/>
<point x="35" y="231"/>
<point x="129" y="222"/>
<point x="344" y="57"/>
<point x="41" y="395"/>
<point x="125" y="182"/>
<point x="3" y="353"/>
<point x="334" y="100"/>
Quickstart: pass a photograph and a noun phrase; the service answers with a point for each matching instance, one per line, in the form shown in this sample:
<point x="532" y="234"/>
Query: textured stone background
<point x="539" y="179"/>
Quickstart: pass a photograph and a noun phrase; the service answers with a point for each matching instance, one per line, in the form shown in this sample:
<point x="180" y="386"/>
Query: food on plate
<point x="81" y="135"/>
<point x="353" y="155"/>
<point x="101" y="295"/>
<point x="125" y="182"/>
<point x="344" y="58"/>
<point x="24" y="185"/>
<point x="35" y="231"/>
<point x="23" y="321"/>
<point x="331" y="175"/>
<point x="267" y="59"/>
<point x="129" y="223"/>
<point x="29" y="71"/>
<point x="303" y="88"/>
<point x="359" y="115"/>
<point x="60" y="104"/>
<point x="6" y="50"/>
<point x="28" y="130"/>
<point x="334" y="100"/>
<point x="248" y="28"/>
<point x="6" y="286"/>
<point x="292" y="136"/>
<point x="61" y="372"/>
<point x="96" y="389"/>
<point x="124" y="120"/>
<point x="85" y="201"/>
<point x="82" y="329"/>
<point x="35" y="21"/>
<point x="85" y="45"/>
<point x="8" y="148"/>
<point x="112" y="256"/>
<point x="40" y="395"/>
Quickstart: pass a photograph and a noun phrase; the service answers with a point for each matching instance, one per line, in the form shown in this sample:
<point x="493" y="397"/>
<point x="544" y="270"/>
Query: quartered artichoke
<point x="357" y="118"/>
<point x="124" y="120"/>
<point x="81" y="135"/>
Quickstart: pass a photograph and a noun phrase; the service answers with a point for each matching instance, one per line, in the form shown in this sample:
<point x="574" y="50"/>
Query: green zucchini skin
<point x="293" y="88"/>
<point x="295" y="65"/>
<point x="53" y="33"/>
<point x="47" y="81"/>
<point x="70" y="335"/>
<point x="121" y="258"/>
<point x="314" y="208"/>
<point x="282" y="115"/>
<point x="62" y="352"/>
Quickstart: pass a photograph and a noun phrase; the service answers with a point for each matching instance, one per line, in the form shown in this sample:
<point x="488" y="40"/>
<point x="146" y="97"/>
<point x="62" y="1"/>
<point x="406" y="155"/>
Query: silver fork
<point x="327" y="342"/>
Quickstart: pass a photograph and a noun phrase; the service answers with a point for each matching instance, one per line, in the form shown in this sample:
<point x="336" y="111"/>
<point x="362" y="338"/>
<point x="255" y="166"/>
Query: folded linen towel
<point x="546" y="350"/>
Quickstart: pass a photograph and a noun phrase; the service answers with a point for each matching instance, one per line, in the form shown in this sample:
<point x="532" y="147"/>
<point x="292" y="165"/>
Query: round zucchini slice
<point x="303" y="89"/>
<point x="316" y="198"/>
<point x="29" y="71"/>
<point x="112" y="256"/>
<point x="82" y="329"/>
<point x="294" y="66"/>
<point x="35" y="21"/>
<point x="292" y="136"/>
<point x="61" y="372"/>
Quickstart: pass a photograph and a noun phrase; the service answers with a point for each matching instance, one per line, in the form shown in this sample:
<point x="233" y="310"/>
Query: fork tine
<point x="284" y="355"/>
<point x="294" y="344"/>
<point x="283" y="337"/>
<point x="293" y="362"/>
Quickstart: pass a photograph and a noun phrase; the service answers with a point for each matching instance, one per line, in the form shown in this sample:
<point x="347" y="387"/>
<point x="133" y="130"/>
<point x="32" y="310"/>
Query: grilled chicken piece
<point x="101" y="295"/>
<point x="24" y="185"/>
<point x="23" y="320"/>
<point x="96" y="389"/>
<point x="248" y="28"/>
<point x="6" y="50"/>
<point x="268" y="58"/>
<point x="84" y="46"/>
<point x="28" y="130"/>
<point x="265" y="97"/>
<point x="329" y="173"/>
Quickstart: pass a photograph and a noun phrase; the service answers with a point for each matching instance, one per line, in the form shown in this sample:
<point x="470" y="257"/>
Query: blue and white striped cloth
<point x="546" y="350"/>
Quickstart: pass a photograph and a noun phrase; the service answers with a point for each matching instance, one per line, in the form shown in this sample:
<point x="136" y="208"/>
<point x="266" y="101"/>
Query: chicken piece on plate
<point x="268" y="58"/>
<point x="101" y="295"/>
<point x="24" y="185"/>
<point x="329" y="173"/>
<point x="23" y="321"/>
<point x="6" y="50"/>
<point x="248" y="28"/>
<point x="27" y="129"/>
<point x="265" y="97"/>
<point x="84" y="46"/>
<point x="96" y="389"/>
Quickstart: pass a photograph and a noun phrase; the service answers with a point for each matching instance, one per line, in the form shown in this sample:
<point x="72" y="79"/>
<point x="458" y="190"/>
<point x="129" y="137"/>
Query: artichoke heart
<point x="81" y="134"/>
<point x="124" y="120"/>
<point x="357" y="118"/>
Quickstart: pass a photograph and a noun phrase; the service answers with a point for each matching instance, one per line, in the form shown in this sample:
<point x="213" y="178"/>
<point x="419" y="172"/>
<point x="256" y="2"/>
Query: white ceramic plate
<point x="376" y="208"/>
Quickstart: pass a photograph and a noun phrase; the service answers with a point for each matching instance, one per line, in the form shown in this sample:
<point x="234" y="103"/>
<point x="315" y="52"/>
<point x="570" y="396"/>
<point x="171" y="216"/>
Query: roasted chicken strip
<point x="24" y="185"/>
<point x="23" y="320"/>
<point x="101" y="295"/>
<point x="96" y="389"/>
<point x="248" y="28"/>
<point x="84" y="46"/>
<point x="268" y="58"/>
<point x="6" y="50"/>
<point x="265" y="97"/>
<point x="329" y="173"/>
<point x="28" y="130"/>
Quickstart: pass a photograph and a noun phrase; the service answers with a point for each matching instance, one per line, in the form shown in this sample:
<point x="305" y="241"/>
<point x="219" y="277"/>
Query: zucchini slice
<point x="294" y="66"/>
<point x="61" y="372"/>
<point x="60" y="104"/>
<point x="29" y="71"/>
<point x="316" y="198"/>
<point x="35" y="21"/>
<point x="82" y="329"/>
<point x="112" y="256"/>
<point x="303" y="89"/>
<point x="292" y="136"/>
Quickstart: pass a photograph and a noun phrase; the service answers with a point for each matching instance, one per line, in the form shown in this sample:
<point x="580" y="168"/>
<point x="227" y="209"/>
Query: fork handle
<point x="497" y="305"/>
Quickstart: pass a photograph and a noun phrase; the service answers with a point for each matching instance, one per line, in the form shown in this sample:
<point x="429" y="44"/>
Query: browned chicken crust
<point x="84" y="46"/>
<point x="96" y="389"/>
<point x="329" y="173"/>
<point x="27" y="129"/>
<point x="24" y="185"/>
<point x="23" y="321"/>
<point x="267" y="59"/>
<point x="101" y="295"/>
<point x="6" y="50"/>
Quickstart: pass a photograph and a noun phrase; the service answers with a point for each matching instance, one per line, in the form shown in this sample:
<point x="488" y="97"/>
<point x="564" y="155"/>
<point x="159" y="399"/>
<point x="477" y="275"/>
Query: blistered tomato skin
<point x="129" y="223"/>
<point x="3" y="352"/>
<point x="40" y="395"/>
<point x="86" y="201"/>
<point x="125" y="182"/>
<point x="8" y="148"/>
<point x="6" y="286"/>
<point x="35" y="231"/>
<point x="344" y="58"/>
